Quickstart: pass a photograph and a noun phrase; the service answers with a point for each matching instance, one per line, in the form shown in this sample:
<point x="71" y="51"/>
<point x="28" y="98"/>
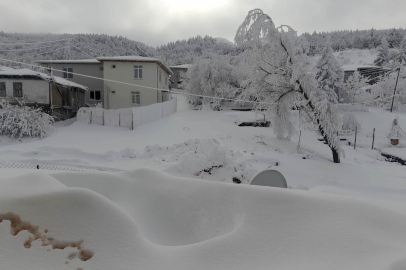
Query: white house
<point x="143" y="71"/>
<point x="150" y="74"/>
<point x="57" y="96"/>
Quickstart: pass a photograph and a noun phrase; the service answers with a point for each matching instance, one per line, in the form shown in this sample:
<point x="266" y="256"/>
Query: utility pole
<point x="394" y="92"/>
<point x="68" y="48"/>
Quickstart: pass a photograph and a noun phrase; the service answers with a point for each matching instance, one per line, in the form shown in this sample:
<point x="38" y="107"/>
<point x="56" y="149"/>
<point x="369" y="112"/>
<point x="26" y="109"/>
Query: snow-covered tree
<point x="383" y="53"/>
<point x="350" y="122"/>
<point x="214" y="78"/>
<point x="279" y="75"/>
<point x="402" y="52"/>
<point x="329" y="73"/>
<point x="396" y="131"/>
<point x="353" y="89"/>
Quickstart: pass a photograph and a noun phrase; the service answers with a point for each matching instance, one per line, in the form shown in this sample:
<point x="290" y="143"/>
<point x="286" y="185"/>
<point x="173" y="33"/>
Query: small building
<point x="149" y="73"/>
<point x="367" y="71"/>
<point x="57" y="96"/>
<point x="89" y="67"/>
<point x="178" y="71"/>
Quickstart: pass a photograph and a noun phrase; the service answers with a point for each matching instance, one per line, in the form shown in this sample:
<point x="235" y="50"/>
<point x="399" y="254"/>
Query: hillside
<point x="31" y="47"/>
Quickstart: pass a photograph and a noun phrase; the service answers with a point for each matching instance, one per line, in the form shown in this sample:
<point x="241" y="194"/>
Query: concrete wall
<point x="86" y="69"/>
<point x="34" y="91"/>
<point x="119" y="95"/>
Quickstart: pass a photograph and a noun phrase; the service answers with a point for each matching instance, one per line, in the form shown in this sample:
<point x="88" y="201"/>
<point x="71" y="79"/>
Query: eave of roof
<point x="136" y="59"/>
<point x="77" y="61"/>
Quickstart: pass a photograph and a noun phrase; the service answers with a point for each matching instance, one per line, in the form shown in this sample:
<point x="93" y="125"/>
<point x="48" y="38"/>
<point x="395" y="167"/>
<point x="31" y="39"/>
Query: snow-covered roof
<point x="128" y="58"/>
<point x="25" y="72"/>
<point x="135" y="58"/>
<point x="76" y="61"/>
<point x="5" y="68"/>
<point x="356" y="67"/>
<point x="184" y="66"/>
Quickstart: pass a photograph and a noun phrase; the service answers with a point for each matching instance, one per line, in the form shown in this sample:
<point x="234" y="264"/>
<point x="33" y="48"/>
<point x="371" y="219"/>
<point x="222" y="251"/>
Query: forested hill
<point x="31" y="47"/>
<point x="358" y="39"/>
<point x="186" y="51"/>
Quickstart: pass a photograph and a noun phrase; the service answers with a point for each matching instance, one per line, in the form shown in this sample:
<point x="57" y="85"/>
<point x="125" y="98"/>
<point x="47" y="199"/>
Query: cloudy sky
<point x="160" y="21"/>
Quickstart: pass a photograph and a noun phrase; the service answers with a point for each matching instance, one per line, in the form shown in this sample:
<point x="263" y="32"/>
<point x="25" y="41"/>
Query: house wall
<point x="34" y="90"/>
<point x="94" y="70"/>
<point x="119" y="95"/>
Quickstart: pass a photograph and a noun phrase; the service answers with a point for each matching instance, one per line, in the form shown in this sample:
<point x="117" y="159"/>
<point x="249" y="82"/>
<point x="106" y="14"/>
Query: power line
<point x="81" y="50"/>
<point x="28" y="43"/>
<point x="40" y="53"/>
<point x="86" y="46"/>
<point x="131" y="84"/>
<point x="176" y="92"/>
<point x="30" y="49"/>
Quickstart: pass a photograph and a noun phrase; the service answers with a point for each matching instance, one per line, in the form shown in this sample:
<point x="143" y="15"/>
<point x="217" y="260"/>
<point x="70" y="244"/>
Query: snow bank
<point x="149" y="220"/>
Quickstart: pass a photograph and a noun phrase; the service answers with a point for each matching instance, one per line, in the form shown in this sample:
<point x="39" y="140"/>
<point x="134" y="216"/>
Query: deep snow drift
<point x="150" y="220"/>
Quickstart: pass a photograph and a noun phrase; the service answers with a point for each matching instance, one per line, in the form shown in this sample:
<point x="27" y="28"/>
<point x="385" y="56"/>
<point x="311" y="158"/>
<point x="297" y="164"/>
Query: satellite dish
<point x="270" y="178"/>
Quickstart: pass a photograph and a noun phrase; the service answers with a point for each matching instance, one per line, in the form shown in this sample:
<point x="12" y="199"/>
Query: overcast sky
<point x="160" y="21"/>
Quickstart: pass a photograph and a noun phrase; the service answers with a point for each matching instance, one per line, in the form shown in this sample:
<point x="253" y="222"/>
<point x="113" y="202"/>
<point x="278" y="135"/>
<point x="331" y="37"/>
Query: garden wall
<point x="127" y="117"/>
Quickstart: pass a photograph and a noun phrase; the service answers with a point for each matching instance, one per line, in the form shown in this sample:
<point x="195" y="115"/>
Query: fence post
<point x="373" y="139"/>
<point x="119" y="118"/>
<point x="90" y="122"/>
<point x="355" y="140"/>
<point x="103" y="117"/>
<point x="132" y="119"/>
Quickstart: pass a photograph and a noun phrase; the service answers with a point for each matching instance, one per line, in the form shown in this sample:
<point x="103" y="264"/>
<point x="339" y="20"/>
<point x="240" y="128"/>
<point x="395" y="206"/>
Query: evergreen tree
<point x="383" y="53"/>
<point x="329" y="73"/>
<point x="402" y="52"/>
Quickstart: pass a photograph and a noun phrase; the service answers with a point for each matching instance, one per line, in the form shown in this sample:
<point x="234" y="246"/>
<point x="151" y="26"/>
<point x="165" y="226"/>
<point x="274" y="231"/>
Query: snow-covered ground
<point x="337" y="216"/>
<point x="353" y="57"/>
<point x="145" y="219"/>
<point x="190" y="141"/>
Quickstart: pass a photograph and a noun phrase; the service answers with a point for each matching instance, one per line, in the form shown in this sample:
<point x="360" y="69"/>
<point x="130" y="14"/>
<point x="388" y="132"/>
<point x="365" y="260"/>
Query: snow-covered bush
<point x="350" y="122"/>
<point x="208" y="156"/>
<point x="17" y="121"/>
<point x="381" y="93"/>
<point x="203" y="158"/>
<point x="396" y="131"/>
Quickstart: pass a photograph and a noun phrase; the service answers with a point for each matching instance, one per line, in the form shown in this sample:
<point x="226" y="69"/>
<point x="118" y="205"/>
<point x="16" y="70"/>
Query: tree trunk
<point x="336" y="156"/>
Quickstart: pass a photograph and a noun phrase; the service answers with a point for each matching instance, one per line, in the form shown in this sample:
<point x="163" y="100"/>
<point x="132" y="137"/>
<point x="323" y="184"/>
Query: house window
<point x="67" y="73"/>
<point x="136" y="98"/>
<point x="138" y="72"/>
<point x="3" y="89"/>
<point x="95" y="95"/>
<point x="160" y="77"/>
<point x="18" y="89"/>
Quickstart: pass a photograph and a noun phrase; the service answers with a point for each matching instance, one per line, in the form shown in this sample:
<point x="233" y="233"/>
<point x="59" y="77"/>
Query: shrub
<point x="350" y="122"/>
<point x="17" y="121"/>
